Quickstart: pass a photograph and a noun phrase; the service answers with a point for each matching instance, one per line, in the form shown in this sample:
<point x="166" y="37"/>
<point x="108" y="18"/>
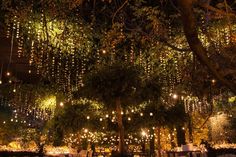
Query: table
<point x="194" y="153"/>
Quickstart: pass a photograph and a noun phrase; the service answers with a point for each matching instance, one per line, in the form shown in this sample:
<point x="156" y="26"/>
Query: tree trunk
<point x="58" y="137"/>
<point x="152" y="143"/>
<point x="120" y="127"/>
<point x="159" y="141"/>
<point x="172" y="138"/>
<point x="190" y="128"/>
<point x="180" y="135"/>
<point x="191" y="33"/>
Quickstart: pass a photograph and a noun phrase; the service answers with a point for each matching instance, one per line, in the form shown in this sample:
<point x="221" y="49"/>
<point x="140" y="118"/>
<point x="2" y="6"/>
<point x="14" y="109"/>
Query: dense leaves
<point x="118" y="80"/>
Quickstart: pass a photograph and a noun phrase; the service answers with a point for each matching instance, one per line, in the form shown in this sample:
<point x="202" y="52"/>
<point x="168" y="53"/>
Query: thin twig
<point x="173" y="5"/>
<point x="119" y="10"/>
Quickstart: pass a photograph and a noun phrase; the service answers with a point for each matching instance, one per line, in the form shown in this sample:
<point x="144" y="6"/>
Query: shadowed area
<point x="17" y="66"/>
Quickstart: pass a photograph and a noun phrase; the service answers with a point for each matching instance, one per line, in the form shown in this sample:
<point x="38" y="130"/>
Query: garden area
<point x="119" y="78"/>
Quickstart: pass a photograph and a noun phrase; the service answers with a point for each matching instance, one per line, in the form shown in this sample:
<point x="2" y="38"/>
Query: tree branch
<point x="218" y="11"/>
<point x="113" y="17"/>
<point x="162" y="40"/>
<point x="172" y="46"/>
<point x="191" y="33"/>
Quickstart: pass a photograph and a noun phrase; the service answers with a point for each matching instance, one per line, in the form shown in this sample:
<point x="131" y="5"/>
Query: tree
<point x="116" y="86"/>
<point x="157" y="46"/>
<point x="177" y="119"/>
<point x="64" y="40"/>
<point x="72" y="118"/>
<point x="152" y="94"/>
<point x="191" y="33"/>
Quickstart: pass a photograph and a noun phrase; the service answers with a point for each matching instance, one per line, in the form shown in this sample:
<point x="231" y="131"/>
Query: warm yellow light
<point x="14" y="90"/>
<point x="175" y="96"/>
<point x="104" y="51"/>
<point x="29" y="71"/>
<point x="48" y="102"/>
<point x="143" y="133"/>
<point x="88" y="117"/>
<point x="141" y="114"/>
<point x="61" y="104"/>
<point x="0" y="81"/>
<point x="10" y="81"/>
<point x="8" y="73"/>
<point x="213" y="81"/>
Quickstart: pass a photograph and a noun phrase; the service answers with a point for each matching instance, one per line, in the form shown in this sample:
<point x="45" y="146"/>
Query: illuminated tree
<point x="116" y="86"/>
<point x="73" y="118"/>
<point x="64" y="40"/>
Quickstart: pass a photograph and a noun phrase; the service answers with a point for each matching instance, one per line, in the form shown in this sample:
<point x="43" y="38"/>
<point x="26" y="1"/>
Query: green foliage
<point x="151" y="90"/>
<point x="232" y="99"/>
<point x="73" y="118"/>
<point x="118" y="80"/>
<point x="177" y="114"/>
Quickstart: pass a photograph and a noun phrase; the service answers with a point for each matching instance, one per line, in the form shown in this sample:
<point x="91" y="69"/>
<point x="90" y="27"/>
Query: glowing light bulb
<point x="14" y="90"/>
<point x="175" y="96"/>
<point x="143" y="133"/>
<point x="151" y="114"/>
<point x="0" y="81"/>
<point x="10" y="81"/>
<point x="29" y="71"/>
<point x="104" y="51"/>
<point x="8" y="73"/>
<point x="88" y="117"/>
<point x="129" y="119"/>
<point x="61" y="104"/>
<point x="141" y="114"/>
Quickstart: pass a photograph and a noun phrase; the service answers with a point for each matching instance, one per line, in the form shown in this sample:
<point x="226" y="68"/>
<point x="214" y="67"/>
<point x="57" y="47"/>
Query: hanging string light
<point x="20" y="46"/>
<point x="8" y="30"/>
<point x="53" y="66"/>
<point x="132" y="52"/>
<point x="18" y="29"/>
<point x="11" y="51"/>
<point x="193" y="104"/>
<point x="1" y="74"/>
<point x="58" y="67"/>
<point x="31" y="59"/>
